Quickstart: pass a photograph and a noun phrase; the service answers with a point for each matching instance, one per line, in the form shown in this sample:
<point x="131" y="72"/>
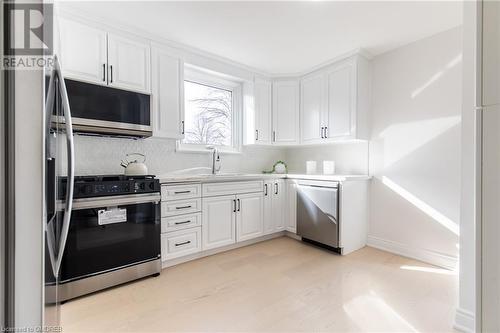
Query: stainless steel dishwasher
<point x="318" y="212"/>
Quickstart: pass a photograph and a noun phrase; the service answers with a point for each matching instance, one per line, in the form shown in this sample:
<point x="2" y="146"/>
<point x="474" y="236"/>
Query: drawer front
<point x="180" y="243"/>
<point x="173" y="208"/>
<point x="180" y="222"/>
<point x="228" y="188"/>
<point x="180" y="192"/>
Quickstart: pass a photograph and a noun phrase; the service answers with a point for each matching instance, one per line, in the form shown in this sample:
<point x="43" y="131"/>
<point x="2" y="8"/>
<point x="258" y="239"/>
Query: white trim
<point x="425" y="255"/>
<point x="464" y="321"/>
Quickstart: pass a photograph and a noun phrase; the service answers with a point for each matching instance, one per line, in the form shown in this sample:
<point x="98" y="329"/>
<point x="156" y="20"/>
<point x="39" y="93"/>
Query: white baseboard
<point x="425" y="255"/>
<point x="464" y="321"/>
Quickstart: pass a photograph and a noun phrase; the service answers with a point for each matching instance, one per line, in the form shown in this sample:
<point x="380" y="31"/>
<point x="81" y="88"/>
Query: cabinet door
<point x="341" y="102"/>
<point x="129" y="63"/>
<point x="218" y="222"/>
<point x="312" y="109"/>
<point x="491" y="52"/>
<point x="249" y="216"/>
<point x="82" y="52"/>
<point x="168" y="95"/>
<point x="278" y="213"/>
<point x="291" y="204"/>
<point x="268" y="208"/>
<point x="285" y="112"/>
<point x="263" y="105"/>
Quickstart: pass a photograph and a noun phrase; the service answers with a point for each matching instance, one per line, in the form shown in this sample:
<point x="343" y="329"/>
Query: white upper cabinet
<point x="95" y="56"/>
<point x="335" y="102"/>
<point x="168" y="95"/>
<point x="128" y="63"/>
<point x="491" y="53"/>
<point x="83" y="52"/>
<point x="263" y="108"/>
<point x="340" y="121"/>
<point x="312" y="106"/>
<point x="285" y="112"/>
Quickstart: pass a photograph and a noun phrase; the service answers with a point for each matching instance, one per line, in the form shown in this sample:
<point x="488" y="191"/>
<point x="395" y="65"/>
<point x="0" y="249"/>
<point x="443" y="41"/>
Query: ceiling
<point x="283" y="37"/>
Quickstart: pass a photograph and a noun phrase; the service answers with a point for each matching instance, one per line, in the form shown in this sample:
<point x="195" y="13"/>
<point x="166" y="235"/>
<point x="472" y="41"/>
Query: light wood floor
<point x="277" y="285"/>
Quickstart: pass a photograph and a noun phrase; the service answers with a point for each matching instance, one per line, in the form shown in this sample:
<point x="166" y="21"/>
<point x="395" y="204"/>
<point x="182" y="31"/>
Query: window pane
<point x="208" y="115"/>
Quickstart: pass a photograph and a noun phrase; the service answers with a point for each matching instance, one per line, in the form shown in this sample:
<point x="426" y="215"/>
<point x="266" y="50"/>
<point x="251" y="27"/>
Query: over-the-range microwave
<point x="97" y="109"/>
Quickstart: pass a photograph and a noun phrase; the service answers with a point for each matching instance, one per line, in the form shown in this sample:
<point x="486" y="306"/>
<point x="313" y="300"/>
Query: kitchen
<point x="199" y="175"/>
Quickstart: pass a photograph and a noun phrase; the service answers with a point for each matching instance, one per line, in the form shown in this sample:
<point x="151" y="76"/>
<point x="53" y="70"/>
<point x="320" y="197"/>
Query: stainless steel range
<point x="114" y="233"/>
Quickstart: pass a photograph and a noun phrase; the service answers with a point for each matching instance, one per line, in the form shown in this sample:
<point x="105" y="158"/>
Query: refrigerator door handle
<point x="49" y="149"/>
<point x="71" y="165"/>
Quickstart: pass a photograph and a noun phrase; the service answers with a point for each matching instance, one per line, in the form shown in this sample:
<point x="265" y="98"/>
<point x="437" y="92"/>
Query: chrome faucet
<point x="216" y="161"/>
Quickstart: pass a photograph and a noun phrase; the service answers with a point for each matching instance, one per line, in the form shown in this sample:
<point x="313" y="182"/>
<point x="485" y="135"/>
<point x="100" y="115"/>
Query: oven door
<point x="110" y="233"/>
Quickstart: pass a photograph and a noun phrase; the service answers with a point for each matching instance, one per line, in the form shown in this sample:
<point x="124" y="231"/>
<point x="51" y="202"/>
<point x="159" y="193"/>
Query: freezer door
<point x="317" y="214"/>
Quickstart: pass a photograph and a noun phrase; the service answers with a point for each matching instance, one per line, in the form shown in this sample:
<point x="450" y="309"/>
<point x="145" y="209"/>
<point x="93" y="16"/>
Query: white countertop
<point x="207" y="178"/>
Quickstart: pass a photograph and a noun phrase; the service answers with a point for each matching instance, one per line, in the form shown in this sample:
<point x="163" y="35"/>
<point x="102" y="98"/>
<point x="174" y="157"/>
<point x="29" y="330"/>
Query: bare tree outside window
<point x="208" y="115"/>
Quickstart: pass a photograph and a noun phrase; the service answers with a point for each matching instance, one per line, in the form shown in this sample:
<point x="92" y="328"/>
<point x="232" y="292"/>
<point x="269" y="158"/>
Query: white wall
<point x="415" y="148"/>
<point x="350" y="158"/>
<point x="101" y="155"/>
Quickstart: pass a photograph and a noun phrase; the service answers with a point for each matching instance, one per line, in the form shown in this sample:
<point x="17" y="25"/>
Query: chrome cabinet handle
<point x="234" y="209"/>
<point x="239" y="205"/>
<point x="326" y="132"/>
<point x="183" y="243"/>
<point x="183" y="207"/>
<point x="182" y="127"/>
<point x="265" y="190"/>
<point x="184" y="222"/>
<point x="111" y="74"/>
<point x="256" y="135"/>
<point x="104" y="72"/>
<point x="274" y="136"/>
<point x="275" y="188"/>
<point x="322" y="132"/>
<point x="182" y="192"/>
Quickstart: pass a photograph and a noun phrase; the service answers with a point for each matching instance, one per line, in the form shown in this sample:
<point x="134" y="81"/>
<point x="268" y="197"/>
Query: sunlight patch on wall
<point x="402" y="139"/>
<point x="424" y="207"/>
<point x="372" y="314"/>
<point x="453" y="62"/>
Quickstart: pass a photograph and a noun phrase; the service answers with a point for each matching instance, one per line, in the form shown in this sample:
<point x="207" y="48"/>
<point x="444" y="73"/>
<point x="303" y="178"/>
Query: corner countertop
<point x="225" y="177"/>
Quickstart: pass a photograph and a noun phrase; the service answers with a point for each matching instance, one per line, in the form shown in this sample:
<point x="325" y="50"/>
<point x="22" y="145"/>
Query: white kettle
<point x="133" y="167"/>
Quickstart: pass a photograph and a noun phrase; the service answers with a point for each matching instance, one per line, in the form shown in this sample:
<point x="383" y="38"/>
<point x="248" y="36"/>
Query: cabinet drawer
<point x="179" y="192"/>
<point x="180" y="222"/>
<point x="228" y="188"/>
<point x="172" y="208"/>
<point x="180" y="243"/>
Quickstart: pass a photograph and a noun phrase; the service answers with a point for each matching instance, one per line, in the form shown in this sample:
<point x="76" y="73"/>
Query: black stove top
<point x="106" y="185"/>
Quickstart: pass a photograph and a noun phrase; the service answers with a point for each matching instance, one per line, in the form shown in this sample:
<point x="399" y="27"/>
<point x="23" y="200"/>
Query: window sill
<point x="189" y="149"/>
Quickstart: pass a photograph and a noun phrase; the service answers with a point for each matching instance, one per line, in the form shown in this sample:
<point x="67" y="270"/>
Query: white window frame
<point x="219" y="81"/>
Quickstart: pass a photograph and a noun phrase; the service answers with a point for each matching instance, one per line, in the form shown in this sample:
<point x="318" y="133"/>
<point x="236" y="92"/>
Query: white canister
<point x="328" y="167"/>
<point x="311" y="167"/>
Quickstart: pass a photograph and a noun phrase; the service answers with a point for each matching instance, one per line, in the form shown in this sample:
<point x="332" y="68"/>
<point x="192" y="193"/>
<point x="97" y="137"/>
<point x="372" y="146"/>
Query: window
<point x="211" y="112"/>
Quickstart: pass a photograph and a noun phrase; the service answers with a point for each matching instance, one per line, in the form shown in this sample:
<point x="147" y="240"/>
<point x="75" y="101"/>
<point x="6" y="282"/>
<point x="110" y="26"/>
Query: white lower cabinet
<point x="249" y="216"/>
<point x="218" y="221"/>
<point x="274" y="206"/>
<point x="291" y="206"/>
<point x="180" y="243"/>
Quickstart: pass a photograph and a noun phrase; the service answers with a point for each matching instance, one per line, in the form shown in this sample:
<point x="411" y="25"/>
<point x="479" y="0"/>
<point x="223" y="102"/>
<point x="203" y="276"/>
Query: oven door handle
<point x="120" y="200"/>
